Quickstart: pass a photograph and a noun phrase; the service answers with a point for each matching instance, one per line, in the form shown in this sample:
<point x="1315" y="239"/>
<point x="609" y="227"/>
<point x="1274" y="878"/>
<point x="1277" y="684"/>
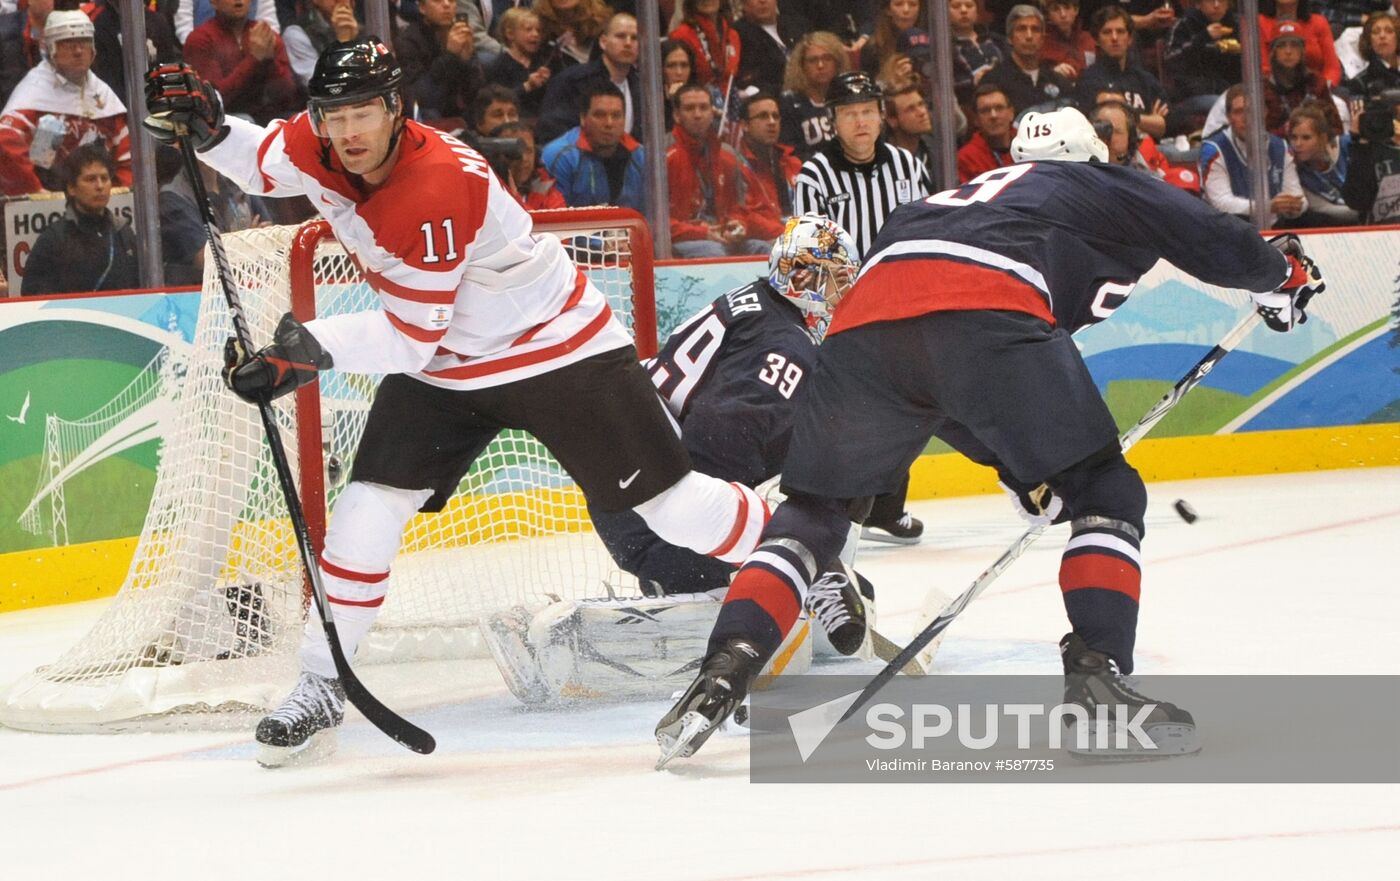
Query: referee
<point x="857" y="179"/>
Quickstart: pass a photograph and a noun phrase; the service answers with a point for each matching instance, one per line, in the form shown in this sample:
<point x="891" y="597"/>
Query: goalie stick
<point x="383" y="718"/>
<point x="1130" y="437"/>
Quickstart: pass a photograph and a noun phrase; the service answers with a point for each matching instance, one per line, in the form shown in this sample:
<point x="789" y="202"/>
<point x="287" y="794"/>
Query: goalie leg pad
<point x="610" y="649"/>
<point x="366" y="530"/>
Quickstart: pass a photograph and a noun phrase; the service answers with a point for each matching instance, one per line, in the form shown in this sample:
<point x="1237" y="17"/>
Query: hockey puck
<point x="1187" y="512"/>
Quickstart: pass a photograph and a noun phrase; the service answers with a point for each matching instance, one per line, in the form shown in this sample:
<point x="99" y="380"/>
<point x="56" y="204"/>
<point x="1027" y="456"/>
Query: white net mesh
<point x="206" y="625"/>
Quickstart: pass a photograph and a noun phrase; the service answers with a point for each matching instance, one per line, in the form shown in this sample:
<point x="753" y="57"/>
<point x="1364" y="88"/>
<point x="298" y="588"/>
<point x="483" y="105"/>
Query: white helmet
<point x="66" y="25"/>
<point x="1062" y="134"/>
<point x="813" y="263"/>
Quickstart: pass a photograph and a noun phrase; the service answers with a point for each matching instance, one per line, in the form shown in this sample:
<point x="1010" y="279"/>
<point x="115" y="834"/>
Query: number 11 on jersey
<point x="429" y="247"/>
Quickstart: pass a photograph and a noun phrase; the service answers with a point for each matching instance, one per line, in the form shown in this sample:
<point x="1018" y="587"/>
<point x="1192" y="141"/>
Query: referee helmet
<point x="853" y="87"/>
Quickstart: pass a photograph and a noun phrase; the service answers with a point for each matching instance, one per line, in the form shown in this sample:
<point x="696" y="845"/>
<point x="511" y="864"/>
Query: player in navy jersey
<point x="730" y="377"/>
<point x="959" y="327"/>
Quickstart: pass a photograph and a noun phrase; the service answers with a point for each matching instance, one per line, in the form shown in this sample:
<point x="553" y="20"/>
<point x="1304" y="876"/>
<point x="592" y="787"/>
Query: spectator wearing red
<point x="1319" y="51"/>
<point x="533" y="186"/>
<point x="190" y="14"/>
<point x="707" y="29"/>
<point x="990" y="145"/>
<point x="772" y="165"/>
<point x="58" y="106"/>
<point x="711" y="205"/>
<point x="1067" y="45"/>
<point x="246" y="61"/>
<point x="1290" y="84"/>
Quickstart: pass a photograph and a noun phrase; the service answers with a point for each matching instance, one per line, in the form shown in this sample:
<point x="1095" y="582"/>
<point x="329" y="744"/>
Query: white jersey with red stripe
<point x="471" y="297"/>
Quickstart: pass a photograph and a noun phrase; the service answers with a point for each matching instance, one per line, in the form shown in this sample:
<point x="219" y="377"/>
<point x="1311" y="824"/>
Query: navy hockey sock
<point x="1100" y="577"/>
<point x="766" y="597"/>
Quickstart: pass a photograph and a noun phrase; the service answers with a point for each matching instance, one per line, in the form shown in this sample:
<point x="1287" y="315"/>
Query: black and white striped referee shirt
<point x="859" y="197"/>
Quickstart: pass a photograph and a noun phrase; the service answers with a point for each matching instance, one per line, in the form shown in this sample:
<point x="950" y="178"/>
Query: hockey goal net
<point x="206" y="626"/>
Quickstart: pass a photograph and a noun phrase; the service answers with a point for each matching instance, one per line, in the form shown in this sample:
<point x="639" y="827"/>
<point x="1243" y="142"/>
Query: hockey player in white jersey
<point x="484" y="327"/>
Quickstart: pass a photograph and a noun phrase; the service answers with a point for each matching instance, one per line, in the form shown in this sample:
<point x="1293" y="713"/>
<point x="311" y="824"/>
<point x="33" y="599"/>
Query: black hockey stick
<point x="383" y="718"/>
<point x="1130" y="437"/>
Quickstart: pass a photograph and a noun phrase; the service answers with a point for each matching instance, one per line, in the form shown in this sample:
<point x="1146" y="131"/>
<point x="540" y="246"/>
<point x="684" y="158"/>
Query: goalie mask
<point x="813" y="263"/>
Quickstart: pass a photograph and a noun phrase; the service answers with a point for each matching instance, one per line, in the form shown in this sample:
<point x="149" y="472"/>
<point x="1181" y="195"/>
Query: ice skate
<point x="1092" y="681"/>
<point x="906" y="530"/>
<point x="836" y="603"/>
<point x="725" y="676"/>
<point x="303" y="728"/>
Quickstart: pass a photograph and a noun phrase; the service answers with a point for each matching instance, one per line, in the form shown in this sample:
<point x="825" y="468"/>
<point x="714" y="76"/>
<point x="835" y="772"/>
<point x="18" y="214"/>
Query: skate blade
<point x="317" y="747"/>
<point x="682" y="743"/>
<point x="1171" y="739"/>
<point x="886" y="538"/>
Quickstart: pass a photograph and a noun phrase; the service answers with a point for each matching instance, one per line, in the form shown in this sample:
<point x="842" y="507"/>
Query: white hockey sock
<point x="708" y="515"/>
<point x="366" y="528"/>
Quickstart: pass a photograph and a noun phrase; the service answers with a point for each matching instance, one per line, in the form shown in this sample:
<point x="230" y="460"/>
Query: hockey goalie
<point x="729" y="376"/>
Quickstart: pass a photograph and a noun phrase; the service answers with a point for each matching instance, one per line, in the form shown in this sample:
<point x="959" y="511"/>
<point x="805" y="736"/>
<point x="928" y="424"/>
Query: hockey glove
<point x="1285" y="308"/>
<point x="291" y="361"/>
<point x="180" y="103"/>
<point x="1036" y="505"/>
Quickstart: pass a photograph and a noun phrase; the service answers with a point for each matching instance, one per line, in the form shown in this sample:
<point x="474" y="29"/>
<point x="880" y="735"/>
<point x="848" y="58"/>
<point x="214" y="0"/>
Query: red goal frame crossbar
<point x="561" y="222"/>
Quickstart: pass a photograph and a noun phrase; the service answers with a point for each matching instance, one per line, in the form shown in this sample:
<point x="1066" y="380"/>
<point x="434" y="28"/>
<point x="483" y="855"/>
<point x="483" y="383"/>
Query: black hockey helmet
<point x="854" y="87"/>
<point x="348" y="73"/>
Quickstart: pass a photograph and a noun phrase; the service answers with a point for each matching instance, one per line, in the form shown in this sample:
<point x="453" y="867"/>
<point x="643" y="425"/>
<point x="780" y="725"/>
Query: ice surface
<point x="1281" y="574"/>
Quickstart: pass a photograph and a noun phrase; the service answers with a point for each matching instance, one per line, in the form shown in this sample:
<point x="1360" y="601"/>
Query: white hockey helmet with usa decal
<point x="1062" y="134"/>
<point x="813" y="263"/>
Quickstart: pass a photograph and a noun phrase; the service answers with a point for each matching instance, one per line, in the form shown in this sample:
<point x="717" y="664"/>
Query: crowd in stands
<point x="747" y="85"/>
